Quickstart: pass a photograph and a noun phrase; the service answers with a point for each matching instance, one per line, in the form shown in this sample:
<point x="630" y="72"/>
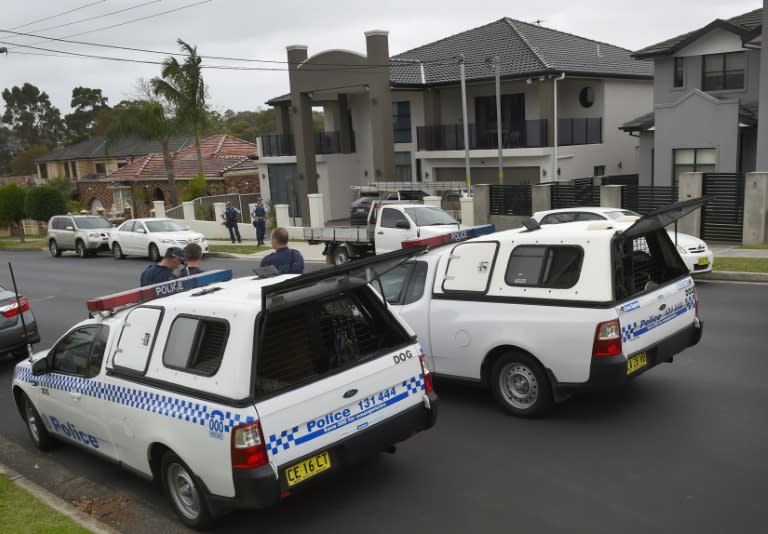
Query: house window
<point x="401" y="121"/>
<point x="598" y="170"/>
<point x="121" y="199"/>
<point x="679" y="75"/>
<point x="74" y="169"/>
<point x="101" y="168"/>
<point x="43" y="170"/>
<point x="403" y="167"/>
<point x="692" y="160"/>
<point x="723" y="71"/>
<point x="587" y="97"/>
<point x="66" y="169"/>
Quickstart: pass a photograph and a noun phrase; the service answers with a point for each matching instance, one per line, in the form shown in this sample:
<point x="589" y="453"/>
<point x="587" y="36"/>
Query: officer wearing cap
<point x="163" y="271"/>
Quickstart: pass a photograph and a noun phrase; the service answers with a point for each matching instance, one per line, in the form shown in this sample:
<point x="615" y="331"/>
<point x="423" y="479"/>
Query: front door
<point x="282" y="187"/>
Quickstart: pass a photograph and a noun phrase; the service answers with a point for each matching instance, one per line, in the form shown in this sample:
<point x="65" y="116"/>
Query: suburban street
<point x="683" y="449"/>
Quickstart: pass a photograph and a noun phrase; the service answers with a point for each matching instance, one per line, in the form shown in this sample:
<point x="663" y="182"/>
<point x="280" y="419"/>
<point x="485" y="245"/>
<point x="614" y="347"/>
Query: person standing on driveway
<point x="259" y="217"/>
<point x="230" y="216"/>
<point x="163" y="271"/>
<point x="284" y="259"/>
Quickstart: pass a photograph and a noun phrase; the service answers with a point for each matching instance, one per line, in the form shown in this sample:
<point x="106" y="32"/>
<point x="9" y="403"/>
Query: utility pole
<point x="464" y="119"/>
<point x="499" y="118"/>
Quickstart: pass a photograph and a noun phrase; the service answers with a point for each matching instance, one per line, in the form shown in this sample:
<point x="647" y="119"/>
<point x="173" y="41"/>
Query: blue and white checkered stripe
<point x="189" y="411"/>
<point x="277" y="443"/>
<point x="633" y="330"/>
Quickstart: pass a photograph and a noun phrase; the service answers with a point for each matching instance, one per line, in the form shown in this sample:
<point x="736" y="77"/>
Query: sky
<point x="254" y="29"/>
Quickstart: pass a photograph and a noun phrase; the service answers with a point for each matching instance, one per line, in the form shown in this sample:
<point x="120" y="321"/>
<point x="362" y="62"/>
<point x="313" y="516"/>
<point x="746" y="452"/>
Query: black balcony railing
<point x="531" y="133"/>
<point x="284" y="145"/>
<point x="579" y="131"/>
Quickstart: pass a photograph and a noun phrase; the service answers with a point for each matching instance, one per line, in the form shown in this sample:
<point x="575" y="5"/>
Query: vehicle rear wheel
<point x="80" y="249"/>
<point x="154" y="253"/>
<point x="184" y="493"/>
<point x="54" y="249"/>
<point x="37" y="431"/>
<point x="341" y="255"/>
<point x="520" y="385"/>
<point x="117" y="251"/>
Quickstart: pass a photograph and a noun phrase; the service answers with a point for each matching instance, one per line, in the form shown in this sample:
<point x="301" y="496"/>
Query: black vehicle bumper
<point x="258" y="488"/>
<point x="611" y="372"/>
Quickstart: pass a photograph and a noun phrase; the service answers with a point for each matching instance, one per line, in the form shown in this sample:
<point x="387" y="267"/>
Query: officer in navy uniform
<point x="230" y="216"/>
<point x="259" y="215"/>
<point x="283" y="258"/>
<point x="163" y="271"/>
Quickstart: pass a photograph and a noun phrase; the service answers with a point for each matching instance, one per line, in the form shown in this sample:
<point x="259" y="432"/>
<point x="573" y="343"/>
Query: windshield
<point x="89" y="223"/>
<point x="618" y="214"/>
<point x="429" y="216"/>
<point x="168" y="225"/>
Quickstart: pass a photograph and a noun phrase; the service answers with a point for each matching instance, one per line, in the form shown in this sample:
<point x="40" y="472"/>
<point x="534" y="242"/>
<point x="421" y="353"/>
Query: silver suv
<point x="85" y="234"/>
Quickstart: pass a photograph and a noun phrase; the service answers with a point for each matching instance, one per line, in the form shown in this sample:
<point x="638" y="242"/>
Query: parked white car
<point x="693" y="250"/>
<point x="152" y="237"/>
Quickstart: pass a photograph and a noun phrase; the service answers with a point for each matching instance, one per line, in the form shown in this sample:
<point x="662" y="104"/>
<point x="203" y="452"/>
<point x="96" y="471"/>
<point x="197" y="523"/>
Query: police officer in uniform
<point x="284" y="259"/>
<point x="259" y="216"/>
<point x="230" y="216"/>
<point x="163" y="271"/>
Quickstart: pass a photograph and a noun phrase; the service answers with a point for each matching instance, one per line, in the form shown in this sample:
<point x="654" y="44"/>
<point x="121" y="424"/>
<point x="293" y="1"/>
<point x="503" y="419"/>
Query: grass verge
<point x="21" y="512"/>
<point x="28" y="243"/>
<point x="743" y="265"/>
<point x="762" y="246"/>
<point x="236" y="249"/>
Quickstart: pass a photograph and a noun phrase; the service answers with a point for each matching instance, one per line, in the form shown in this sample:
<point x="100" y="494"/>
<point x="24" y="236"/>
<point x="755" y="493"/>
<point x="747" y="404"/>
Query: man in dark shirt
<point x="283" y="258"/>
<point x="193" y="256"/>
<point x="230" y="216"/>
<point x="163" y="271"/>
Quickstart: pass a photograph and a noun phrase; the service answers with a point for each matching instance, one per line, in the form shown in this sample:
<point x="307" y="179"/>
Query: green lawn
<point x="28" y="243"/>
<point x="762" y="246"/>
<point x="746" y="265"/>
<point x="21" y="512"/>
<point x="236" y="249"/>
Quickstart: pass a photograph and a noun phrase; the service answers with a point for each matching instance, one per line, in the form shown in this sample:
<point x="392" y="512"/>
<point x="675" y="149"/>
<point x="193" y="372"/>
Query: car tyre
<point x="117" y="251"/>
<point x="37" y="431"/>
<point x="54" y="249"/>
<point x="340" y="256"/>
<point x="80" y="249"/>
<point x="184" y="493"/>
<point x="154" y="253"/>
<point x="520" y="385"/>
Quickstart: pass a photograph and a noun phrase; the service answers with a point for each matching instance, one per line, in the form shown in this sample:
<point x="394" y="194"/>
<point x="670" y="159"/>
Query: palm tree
<point x="147" y="120"/>
<point x="182" y="85"/>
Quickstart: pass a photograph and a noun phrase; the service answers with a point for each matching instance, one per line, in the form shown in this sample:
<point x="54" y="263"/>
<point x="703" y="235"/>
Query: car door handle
<point x="75" y="395"/>
<point x="380" y="233"/>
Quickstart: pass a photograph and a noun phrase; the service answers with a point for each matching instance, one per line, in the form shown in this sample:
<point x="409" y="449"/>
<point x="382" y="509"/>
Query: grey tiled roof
<point x="523" y="49"/>
<point x="741" y="25"/>
<point x="95" y="148"/>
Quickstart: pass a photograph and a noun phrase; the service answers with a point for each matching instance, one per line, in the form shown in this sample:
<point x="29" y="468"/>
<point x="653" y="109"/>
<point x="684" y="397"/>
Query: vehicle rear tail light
<point x="248" y="449"/>
<point x="607" y="339"/>
<point x="12" y="309"/>
<point x="427" y="374"/>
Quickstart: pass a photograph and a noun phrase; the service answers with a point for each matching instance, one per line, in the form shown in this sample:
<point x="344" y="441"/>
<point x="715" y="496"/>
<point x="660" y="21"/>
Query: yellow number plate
<point x="703" y="261"/>
<point x="636" y="362"/>
<point x="307" y="468"/>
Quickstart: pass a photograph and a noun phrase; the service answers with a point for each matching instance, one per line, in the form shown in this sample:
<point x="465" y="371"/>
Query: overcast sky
<point x="258" y="29"/>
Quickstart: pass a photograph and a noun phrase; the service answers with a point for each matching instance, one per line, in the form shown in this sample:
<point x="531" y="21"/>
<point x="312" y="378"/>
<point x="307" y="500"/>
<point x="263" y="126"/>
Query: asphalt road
<point x="682" y="450"/>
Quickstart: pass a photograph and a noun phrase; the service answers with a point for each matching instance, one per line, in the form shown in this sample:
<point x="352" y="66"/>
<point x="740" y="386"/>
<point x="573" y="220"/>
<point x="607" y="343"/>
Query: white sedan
<point x="152" y="237"/>
<point x="693" y="250"/>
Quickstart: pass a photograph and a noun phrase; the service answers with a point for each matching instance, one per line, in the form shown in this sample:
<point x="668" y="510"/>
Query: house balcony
<point x="284" y="144"/>
<point x="531" y="134"/>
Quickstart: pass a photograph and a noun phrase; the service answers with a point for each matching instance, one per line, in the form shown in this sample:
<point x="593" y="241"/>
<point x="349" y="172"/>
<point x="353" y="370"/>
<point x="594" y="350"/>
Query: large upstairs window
<point x="723" y="71"/>
<point x="679" y="75"/>
<point x="401" y="121"/>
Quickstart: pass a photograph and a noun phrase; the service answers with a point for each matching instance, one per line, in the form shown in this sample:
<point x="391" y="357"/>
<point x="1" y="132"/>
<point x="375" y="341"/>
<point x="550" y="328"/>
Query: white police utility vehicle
<point x="537" y="313"/>
<point x="233" y="393"/>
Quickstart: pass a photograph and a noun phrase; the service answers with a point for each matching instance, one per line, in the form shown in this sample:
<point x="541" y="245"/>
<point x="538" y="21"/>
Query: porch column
<point x="481" y="198"/>
<point x="691" y="186"/>
<point x="283" y="119"/>
<point x="755" y="209"/>
<point x="343" y="125"/>
<point x="541" y="198"/>
<point x="159" y="207"/>
<point x="380" y="99"/>
<point x="610" y="196"/>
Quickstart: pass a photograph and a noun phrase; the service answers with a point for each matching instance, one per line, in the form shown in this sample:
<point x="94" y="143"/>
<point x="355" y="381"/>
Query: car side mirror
<point x="403" y="225"/>
<point x="41" y="367"/>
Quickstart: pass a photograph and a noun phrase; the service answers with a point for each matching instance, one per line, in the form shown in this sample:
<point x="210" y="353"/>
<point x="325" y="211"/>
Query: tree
<point x="23" y="164"/>
<point x="8" y="147"/>
<point x="195" y="188"/>
<point x="12" y="205"/>
<point x="86" y="104"/>
<point x="182" y="85"/>
<point x="147" y="120"/>
<point x="32" y="117"/>
<point x="43" y="202"/>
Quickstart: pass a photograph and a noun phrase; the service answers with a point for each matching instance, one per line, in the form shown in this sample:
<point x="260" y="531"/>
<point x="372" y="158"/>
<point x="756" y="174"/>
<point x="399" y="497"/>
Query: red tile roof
<point x="220" y="153"/>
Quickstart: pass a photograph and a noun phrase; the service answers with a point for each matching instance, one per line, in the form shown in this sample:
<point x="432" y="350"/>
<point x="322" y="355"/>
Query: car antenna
<point x="21" y="310"/>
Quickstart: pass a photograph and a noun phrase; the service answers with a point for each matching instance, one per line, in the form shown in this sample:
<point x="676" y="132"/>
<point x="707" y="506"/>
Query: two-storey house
<point x="401" y="118"/>
<point x="705" y="102"/>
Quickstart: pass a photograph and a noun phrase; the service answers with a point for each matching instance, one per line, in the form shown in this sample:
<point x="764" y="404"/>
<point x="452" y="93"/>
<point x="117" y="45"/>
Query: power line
<point x="58" y="15"/>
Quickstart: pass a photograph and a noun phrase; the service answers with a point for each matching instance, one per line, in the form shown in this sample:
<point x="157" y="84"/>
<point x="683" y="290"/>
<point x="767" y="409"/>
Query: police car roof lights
<point x="163" y="289"/>
<point x="452" y="237"/>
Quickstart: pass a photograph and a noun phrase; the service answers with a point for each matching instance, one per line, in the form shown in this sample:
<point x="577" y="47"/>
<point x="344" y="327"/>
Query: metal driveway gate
<point x="722" y="218"/>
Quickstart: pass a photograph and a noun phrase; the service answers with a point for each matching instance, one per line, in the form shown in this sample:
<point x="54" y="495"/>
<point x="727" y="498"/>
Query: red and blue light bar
<point x="163" y="289"/>
<point x="453" y="237"/>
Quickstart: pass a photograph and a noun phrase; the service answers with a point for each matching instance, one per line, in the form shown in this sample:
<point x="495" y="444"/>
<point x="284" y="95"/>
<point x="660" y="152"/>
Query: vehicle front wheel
<point x="341" y="256"/>
<point x="37" y="431"/>
<point x="183" y="492"/>
<point x="80" y="249"/>
<point x="117" y="251"/>
<point x="54" y="249"/>
<point x="154" y="253"/>
<point x="520" y="385"/>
